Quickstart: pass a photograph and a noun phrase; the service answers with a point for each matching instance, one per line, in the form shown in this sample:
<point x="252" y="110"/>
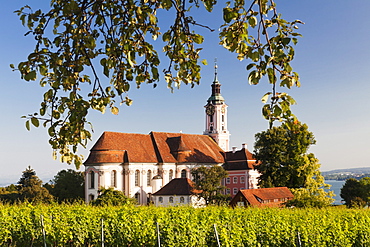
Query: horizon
<point x="332" y="59"/>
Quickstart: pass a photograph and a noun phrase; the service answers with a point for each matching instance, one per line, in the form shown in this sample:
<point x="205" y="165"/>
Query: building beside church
<point x="141" y="164"/>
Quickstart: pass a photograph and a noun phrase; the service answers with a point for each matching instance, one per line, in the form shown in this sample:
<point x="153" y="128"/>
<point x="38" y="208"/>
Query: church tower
<point x="216" y="116"/>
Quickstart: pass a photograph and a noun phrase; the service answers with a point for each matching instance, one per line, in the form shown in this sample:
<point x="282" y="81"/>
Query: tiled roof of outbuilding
<point x="264" y="194"/>
<point x="178" y="186"/>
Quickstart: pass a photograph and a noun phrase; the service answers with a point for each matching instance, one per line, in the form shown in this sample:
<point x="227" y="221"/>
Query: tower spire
<point x="216" y="115"/>
<point x="215" y="80"/>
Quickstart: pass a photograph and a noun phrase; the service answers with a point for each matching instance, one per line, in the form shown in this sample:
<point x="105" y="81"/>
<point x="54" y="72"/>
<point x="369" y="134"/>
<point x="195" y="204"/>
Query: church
<point x="141" y="164"/>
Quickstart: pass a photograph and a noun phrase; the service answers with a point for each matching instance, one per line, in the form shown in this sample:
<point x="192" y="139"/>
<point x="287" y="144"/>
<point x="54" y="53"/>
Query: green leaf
<point x="204" y="62"/>
<point x="28" y="125"/>
<point x="271" y="75"/>
<point x="252" y="21"/>
<point x="31" y="76"/>
<point x="35" y="122"/>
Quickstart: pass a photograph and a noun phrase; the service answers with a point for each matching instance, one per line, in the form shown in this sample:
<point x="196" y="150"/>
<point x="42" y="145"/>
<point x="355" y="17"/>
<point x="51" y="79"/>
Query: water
<point x="335" y="187"/>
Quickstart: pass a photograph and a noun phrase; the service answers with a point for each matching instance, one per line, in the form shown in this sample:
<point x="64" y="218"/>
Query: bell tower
<point x="216" y="116"/>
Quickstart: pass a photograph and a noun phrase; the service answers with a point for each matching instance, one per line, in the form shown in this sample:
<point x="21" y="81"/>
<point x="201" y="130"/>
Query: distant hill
<point x="361" y="170"/>
<point x="344" y="174"/>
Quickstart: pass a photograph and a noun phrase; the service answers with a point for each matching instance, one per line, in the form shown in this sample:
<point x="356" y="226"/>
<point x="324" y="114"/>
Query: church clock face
<point x="210" y="110"/>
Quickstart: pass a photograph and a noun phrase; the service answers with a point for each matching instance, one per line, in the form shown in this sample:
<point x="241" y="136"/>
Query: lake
<point x="335" y="187"/>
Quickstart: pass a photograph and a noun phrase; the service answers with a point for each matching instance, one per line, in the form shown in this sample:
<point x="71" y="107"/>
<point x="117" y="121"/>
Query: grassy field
<point x="81" y="225"/>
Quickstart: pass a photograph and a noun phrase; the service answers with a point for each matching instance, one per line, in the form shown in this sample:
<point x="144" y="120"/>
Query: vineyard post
<point x="158" y="236"/>
<point x="218" y="240"/>
<point x="43" y="229"/>
<point x="299" y="239"/>
<point x="102" y="232"/>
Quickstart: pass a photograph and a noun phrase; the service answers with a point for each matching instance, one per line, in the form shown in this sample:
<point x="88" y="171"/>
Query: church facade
<point x="141" y="164"/>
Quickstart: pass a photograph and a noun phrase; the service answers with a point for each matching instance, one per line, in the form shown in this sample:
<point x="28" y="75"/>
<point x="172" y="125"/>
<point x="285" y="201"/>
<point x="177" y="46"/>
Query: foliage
<point x="356" y="193"/>
<point x="30" y="188"/>
<point x="80" y="225"/>
<point x="68" y="185"/>
<point x="111" y="197"/>
<point x="284" y="162"/>
<point x="78" y="40"/>
<point x="208" y="180"/>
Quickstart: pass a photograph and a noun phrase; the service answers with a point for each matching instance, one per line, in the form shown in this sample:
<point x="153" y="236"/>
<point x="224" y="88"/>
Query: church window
<point x="182" y="199"/>
<point x="170" y="175"/>
<point x="211" y="118"/>
<point x="227" y="180"/>
<point x="183" y="173"/>
<point x="137" y="178"/>
<point x="235" y="180"/>
<point x="223" y="118"/>
<point x="170" y="199"/>
<point x="235" y="191"/>
<point x="149" y="177"/>
<point x="160" y="199"/>
<point x="113" y="181"/>
<point x="92" y="179"/>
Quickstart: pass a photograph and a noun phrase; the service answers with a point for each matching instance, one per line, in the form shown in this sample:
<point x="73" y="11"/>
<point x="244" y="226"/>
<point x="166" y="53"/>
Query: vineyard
<point x="81" y="225"/>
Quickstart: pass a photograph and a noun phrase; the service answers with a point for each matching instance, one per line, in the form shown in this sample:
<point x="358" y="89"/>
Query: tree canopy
<point x="30" y="188"/>
<point x="356" y="193"/>
<point x="282" y="154"/>
<point x="111" y="197"/>
<point x="209" y="181"/>
<point x="68" y="185"/>
<point x="89" y="53"/>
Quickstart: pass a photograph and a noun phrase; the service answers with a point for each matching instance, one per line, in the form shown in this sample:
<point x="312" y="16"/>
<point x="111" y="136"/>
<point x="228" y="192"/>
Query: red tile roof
<point x="263" y="196"/>
<point x="137" y="147"/>
<point x="178" y="186"/>
<point x="155" y="147"/>
<point x="195" y="148"/>
<point x="239" y="160"/>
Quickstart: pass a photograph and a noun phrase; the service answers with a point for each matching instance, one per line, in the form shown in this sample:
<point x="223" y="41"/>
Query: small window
<point x="227" y="180"/>
<point x="170" y="175"/>
<point x="160" y="199"/>
<point x="240" y="204"/>
<point x="171" y="199"/>
<point x="235" y="180"/>
<point x="91" y="197"/>
<point x="227" y="191"/>
<point x="242" y="179"/>
<point x="148" y="177"/>
<point x="183" y="173"/>
<point x="137" y="198"/>
<point x="235" y="191"/>
<point x="182" y="199"/>
<point x="137" y="177"/>
<point x="113" y="181"/>
<point x="92" y="180"/>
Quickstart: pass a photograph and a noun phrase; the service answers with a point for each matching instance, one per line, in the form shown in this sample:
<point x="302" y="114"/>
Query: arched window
<point x="91" y="197"/>
<point x="171" y="199"/>
<point x="183" y="173"/>
<point x="92" y="179"/>
<point x="113" y="178"/>
<point x="182" y="199"/>
<point x="148" y="177"/>
<point x="137" y="178"/>
<point x="170" y="175"/>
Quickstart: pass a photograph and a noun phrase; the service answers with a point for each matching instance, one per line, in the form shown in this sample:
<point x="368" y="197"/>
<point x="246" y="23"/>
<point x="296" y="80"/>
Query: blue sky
<point x="332" y="59"/>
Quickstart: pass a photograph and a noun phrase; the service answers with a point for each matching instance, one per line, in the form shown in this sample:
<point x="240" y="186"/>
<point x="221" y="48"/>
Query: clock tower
<point x="216" y="116"/>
